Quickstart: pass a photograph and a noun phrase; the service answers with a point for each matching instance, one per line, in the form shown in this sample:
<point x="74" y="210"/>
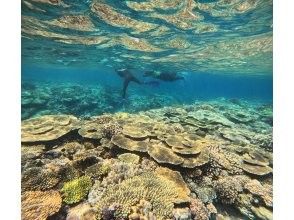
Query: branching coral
<point x="75" y="190"/>
<point x="98" y="170"/>
<point x="264" y="192"/>
<point x="82" y="211"/>
<point x="198" y="210"/>
<point x="162" y="189"/>
<point x="228" y="189"/>
<point x="36" y="178"/>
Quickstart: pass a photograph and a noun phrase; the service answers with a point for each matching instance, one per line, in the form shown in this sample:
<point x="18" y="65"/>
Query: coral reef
<point x="220" y="162"/>
<point x="47" y="98"/>
<point x="263" y="192"/>
<point x="161" y="188"/>
<point x="47" y="128"/>
<point x="75" y="190"/>
<point x="129" y="158"/>
<point x="82" y="211"/>
<point x="198" y="210"/>
<point x="228" y="189"/>
<point x="36" y="178"/>
<point x="39" y="205"/>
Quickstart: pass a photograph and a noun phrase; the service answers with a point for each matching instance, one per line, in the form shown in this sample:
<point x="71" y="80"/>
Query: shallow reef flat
<point x="208" y="160"/>
<point x="43" y="98"/>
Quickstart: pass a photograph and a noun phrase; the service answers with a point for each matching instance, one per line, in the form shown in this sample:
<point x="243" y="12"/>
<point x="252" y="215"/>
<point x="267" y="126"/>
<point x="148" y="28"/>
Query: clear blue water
<point x="221" y="53"/>
<point x="222" y="48"/>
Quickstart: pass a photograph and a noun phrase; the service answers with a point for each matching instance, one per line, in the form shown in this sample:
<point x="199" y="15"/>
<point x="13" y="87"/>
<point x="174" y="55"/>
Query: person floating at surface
<point x="128" y="77"/>
<point x="164" y="76"/>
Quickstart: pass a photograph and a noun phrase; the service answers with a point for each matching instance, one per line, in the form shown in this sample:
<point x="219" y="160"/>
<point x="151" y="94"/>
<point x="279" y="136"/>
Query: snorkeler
<point x="128" y="77"/>
<point x="164" y="76"/>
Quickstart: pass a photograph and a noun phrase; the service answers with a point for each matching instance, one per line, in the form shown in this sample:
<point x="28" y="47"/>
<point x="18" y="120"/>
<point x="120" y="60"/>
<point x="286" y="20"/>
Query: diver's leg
<point x="125" y="86"/>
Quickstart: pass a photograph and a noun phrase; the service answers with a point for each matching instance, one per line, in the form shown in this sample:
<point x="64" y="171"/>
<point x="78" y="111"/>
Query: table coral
<point x="47" y="128"/>
<point x="75" y="190"/>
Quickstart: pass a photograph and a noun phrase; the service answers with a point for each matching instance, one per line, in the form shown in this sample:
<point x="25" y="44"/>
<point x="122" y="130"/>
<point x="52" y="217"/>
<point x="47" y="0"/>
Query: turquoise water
<point x="223" y="49"/>
<point x="108" y="87"/>
<point x="196" y="76"/>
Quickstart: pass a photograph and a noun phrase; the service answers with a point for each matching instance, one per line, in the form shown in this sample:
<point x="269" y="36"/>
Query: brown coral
<point x="256" y="169"/>
<point x="47" y="128"/>
<point x="39" y="205"/>
<point x="129" y="158"/>
<point x="135" y="130"/>
<point x="198" y="210"/>
<point x="99" y="127"/>
<point x="161" y="188"/>
<point x="129" y="144"/>
<point x="227" y="189"/>
<point x="82" y="211"/>
<point x="163" y="154"/>
<point x="36" y="178"/>
<point x="264" y="192"/>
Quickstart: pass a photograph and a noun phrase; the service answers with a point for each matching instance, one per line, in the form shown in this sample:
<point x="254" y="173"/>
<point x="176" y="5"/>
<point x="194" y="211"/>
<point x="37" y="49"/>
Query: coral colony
<point x="191" y="162"/>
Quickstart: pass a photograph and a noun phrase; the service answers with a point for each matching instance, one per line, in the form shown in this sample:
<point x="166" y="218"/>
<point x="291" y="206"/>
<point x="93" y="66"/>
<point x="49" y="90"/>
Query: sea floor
<point x="207" y="160"/>
<point x="43" y="98"/>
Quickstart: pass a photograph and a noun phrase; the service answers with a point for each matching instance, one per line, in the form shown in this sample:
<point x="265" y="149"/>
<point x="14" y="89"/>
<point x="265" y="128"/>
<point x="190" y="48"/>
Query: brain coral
<point x="39" y="205"/>
<point x="75" y="190"/>
<point x="161" y="188"/>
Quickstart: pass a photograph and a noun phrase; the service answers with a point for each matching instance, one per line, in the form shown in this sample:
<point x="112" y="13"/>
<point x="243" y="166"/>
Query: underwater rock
<point x="47" y="128"/>
<point x="39" y="205"/>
